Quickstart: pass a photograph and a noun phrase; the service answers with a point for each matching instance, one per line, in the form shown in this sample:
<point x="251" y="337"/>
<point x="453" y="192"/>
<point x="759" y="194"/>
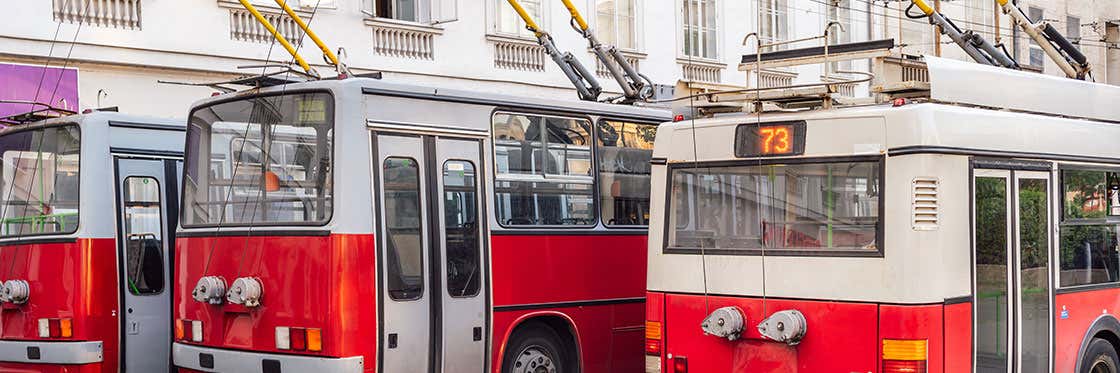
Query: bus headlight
<point x="209" y="289"/>
<point x="246" y="291"/>
<point x="15" y="292"/>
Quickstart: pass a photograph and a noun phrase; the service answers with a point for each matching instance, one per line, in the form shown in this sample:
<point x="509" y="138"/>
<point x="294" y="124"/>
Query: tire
<point x="1100" y="357"/>
<point x="536" y="348"/>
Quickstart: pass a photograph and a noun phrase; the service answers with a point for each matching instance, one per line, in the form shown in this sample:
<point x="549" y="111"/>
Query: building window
<point x="775" y="21"/>
<point x="1037" y="56"/>
<point x="840" y="11"/>
<point x="617" y="23"/>
<point x="700" y="33"/>
<point x="1073" y="29"/>
<point x="506" y="20"/>
<point x="404" y="10"/>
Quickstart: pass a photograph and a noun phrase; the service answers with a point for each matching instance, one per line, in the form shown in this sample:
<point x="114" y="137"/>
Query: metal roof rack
<point x="39" y="111"/>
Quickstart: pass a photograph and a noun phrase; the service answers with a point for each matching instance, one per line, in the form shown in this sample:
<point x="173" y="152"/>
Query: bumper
<point x="45" y="352"/>
<point x="207" y="359"/>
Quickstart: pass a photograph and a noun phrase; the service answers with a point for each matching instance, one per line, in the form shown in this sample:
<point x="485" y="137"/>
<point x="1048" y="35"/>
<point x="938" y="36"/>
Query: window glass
<point x="261" y="160"/>
<point x="509" y="22"/>
<point x="1090" y="232"/>
<point x="404" y="10"/>
<point x="991" y="239"/>
<point x="143" y="235"/>
<point x="543" y="170"/>
<point x="617" y="23"/>
<point x="624" y="152"/>
<point x="403" y="219"/>
<point x="40" y="181"/>
<point x="460" y="211"/>
<point x="775" y="22"/>
<point x="823" y="206"/>
<point x="700" y="39"/>
<point x="1073" y="29"/>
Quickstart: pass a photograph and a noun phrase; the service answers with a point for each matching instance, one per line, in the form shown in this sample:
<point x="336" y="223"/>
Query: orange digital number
<point x="775" y="140"/>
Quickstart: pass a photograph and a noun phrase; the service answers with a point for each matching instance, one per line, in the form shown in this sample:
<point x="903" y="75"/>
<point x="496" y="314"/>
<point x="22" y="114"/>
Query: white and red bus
<point x="975" y="230"/>
<point x="360" y="226"/>
<point x="87" y="218"/>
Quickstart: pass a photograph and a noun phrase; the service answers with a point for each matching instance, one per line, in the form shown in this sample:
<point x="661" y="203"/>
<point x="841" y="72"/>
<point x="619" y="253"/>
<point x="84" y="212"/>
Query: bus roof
<point x="360" y="85"/>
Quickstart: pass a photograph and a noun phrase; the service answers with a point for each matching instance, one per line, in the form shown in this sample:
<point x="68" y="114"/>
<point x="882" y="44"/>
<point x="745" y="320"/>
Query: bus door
<point x="1012" y="294"/>
<point x="145" y="201"/>
<point x="431" y="232"/>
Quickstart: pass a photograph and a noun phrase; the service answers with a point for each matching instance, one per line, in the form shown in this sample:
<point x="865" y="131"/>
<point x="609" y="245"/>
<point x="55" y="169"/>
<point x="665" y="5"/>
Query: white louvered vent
<point x="925" y="203"/>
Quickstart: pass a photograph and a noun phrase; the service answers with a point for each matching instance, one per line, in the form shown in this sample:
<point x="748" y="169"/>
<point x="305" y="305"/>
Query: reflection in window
<point x="991" y="240"/>
<point x="40" y="181"/>
<point x="701" y="33"/>
<point x="1034" y="273"/>
<point x="460" y="211"/>
<point x="616" y="23"/>
<point x="143" y="235"/>
<point x="404" y="242"/>
<point x="508" y="22"/>
<point x="1090" y="229"/>
<point x="260" y="160"/>
<point x="825" y="206"/>
<point x="624" y="152"/>
<point x="543" y="170"/>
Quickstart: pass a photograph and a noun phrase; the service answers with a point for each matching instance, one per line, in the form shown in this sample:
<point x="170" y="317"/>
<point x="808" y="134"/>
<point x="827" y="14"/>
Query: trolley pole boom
<point x="585" y="83"/>
<point x="972" y="43"/>
<point x="634" y="86"/>
<point x="1056" y="46"/>
<point x="279" y="38"/>
<point x="329" y="56"/>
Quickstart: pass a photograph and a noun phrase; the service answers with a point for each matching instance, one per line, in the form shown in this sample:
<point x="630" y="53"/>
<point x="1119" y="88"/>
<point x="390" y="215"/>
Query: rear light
<point x="66" y="327"/>
<point x="196" y="331"/>
<point x="905" y="356"/>
<point x="653" y="338"/>
<point x="283" y="338"/>
<point x="44" y="328"/>
<point x="680" y="364"/>
<point x="299" y="339"/>
<point x="56" y="328"/>
<point x="180" y="331"/>
<point x="314" y="340"/>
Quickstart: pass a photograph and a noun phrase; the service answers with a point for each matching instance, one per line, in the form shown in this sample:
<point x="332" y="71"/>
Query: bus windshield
<point x="40" y="181"/>
<point x="260" y="161"/>
<point x="829" y="207"/>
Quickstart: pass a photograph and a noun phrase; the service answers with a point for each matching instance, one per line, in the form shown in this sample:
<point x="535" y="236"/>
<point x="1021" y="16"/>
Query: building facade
<point x="121" y="50"/>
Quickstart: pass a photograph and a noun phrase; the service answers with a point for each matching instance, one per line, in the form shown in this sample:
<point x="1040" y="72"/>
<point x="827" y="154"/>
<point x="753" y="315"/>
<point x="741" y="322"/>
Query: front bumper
<point x="207" y="359"/>
<point x="50" y="352"/>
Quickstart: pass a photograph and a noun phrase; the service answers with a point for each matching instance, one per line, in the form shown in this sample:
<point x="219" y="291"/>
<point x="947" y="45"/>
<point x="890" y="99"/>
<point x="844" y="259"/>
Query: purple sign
<point x="54" y="85"/>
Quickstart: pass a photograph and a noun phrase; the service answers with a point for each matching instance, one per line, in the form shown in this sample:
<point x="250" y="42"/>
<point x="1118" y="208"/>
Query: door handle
<point x="133" y="328"/>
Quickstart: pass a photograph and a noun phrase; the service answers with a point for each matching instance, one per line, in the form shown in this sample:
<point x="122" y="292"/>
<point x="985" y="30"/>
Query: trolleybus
<point x="357" y="225"/>
<point x="87" y="217"/>
<point x="973" y="230"/>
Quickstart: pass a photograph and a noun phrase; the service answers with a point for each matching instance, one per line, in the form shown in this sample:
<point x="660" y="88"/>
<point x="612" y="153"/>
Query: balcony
<point x="120" y="14"/>
<point x="706" y="71"/>
<point x="517" y="53"/>
<point x="402" y="39"/>
<point x="244" y="27"/>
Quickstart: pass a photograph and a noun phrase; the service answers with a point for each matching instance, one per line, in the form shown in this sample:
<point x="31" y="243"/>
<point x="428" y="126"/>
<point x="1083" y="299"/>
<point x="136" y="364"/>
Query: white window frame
<point x="683" y="26"/>
<point x="637" y="25"/>
<point x="774" y="10"/>
<point x="495" y="12"/>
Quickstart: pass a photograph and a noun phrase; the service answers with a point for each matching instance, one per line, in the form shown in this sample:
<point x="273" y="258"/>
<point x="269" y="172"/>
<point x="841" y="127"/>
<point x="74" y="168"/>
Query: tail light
<point x="299" y="339"/>
<point x="56" y="328"/>
<point x="188" y="330"/>
<point x="653" y="338"/>
<point x="905" y="356"/>
<point x="680" y="364"/>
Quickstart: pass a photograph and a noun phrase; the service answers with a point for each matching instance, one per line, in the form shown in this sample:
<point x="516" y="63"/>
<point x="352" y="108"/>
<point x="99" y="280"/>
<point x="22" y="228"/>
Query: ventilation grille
<point x="925" y="203"/>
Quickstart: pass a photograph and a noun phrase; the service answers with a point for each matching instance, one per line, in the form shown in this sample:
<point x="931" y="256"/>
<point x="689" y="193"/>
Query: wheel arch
<point x="1105" y="327"/>
<point x="560" y="322"/>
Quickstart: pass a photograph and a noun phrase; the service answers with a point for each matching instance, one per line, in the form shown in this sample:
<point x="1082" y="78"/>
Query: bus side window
<point x="542" y="167"/>
<point x="1090" y="228"/>
<point x="143" y="235"/>
<point x="624" y="150"/>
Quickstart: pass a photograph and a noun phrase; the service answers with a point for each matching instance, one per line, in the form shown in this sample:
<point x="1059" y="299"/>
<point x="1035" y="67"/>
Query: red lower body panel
<point x="1074" y="314"/>
<point x="610" y="337"/>
<point x="41" y="368"/>
<point x="841" y="336"/>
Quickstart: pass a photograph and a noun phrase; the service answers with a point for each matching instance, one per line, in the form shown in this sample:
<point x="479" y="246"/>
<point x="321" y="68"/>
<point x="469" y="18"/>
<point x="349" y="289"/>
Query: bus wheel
<point x="1100" y="358"/>
<point x="535" y="348"/>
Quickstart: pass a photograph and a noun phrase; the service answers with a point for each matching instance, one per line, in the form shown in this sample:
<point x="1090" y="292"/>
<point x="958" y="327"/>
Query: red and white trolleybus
<point x="361" y="226"/>
<point x="974" y="230"/>
<point x="87" y="212"/>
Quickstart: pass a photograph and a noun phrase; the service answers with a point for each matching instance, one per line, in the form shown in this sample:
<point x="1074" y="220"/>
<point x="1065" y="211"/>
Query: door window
<point x="991" y="273"/>
<point x="460" y="212"/>
<point x="402" y="222"/>
<point x="143" y="235"/>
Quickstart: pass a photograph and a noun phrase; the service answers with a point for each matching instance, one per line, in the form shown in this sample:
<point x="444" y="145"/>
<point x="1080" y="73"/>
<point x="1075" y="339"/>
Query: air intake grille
<point x="925" y="203"/>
